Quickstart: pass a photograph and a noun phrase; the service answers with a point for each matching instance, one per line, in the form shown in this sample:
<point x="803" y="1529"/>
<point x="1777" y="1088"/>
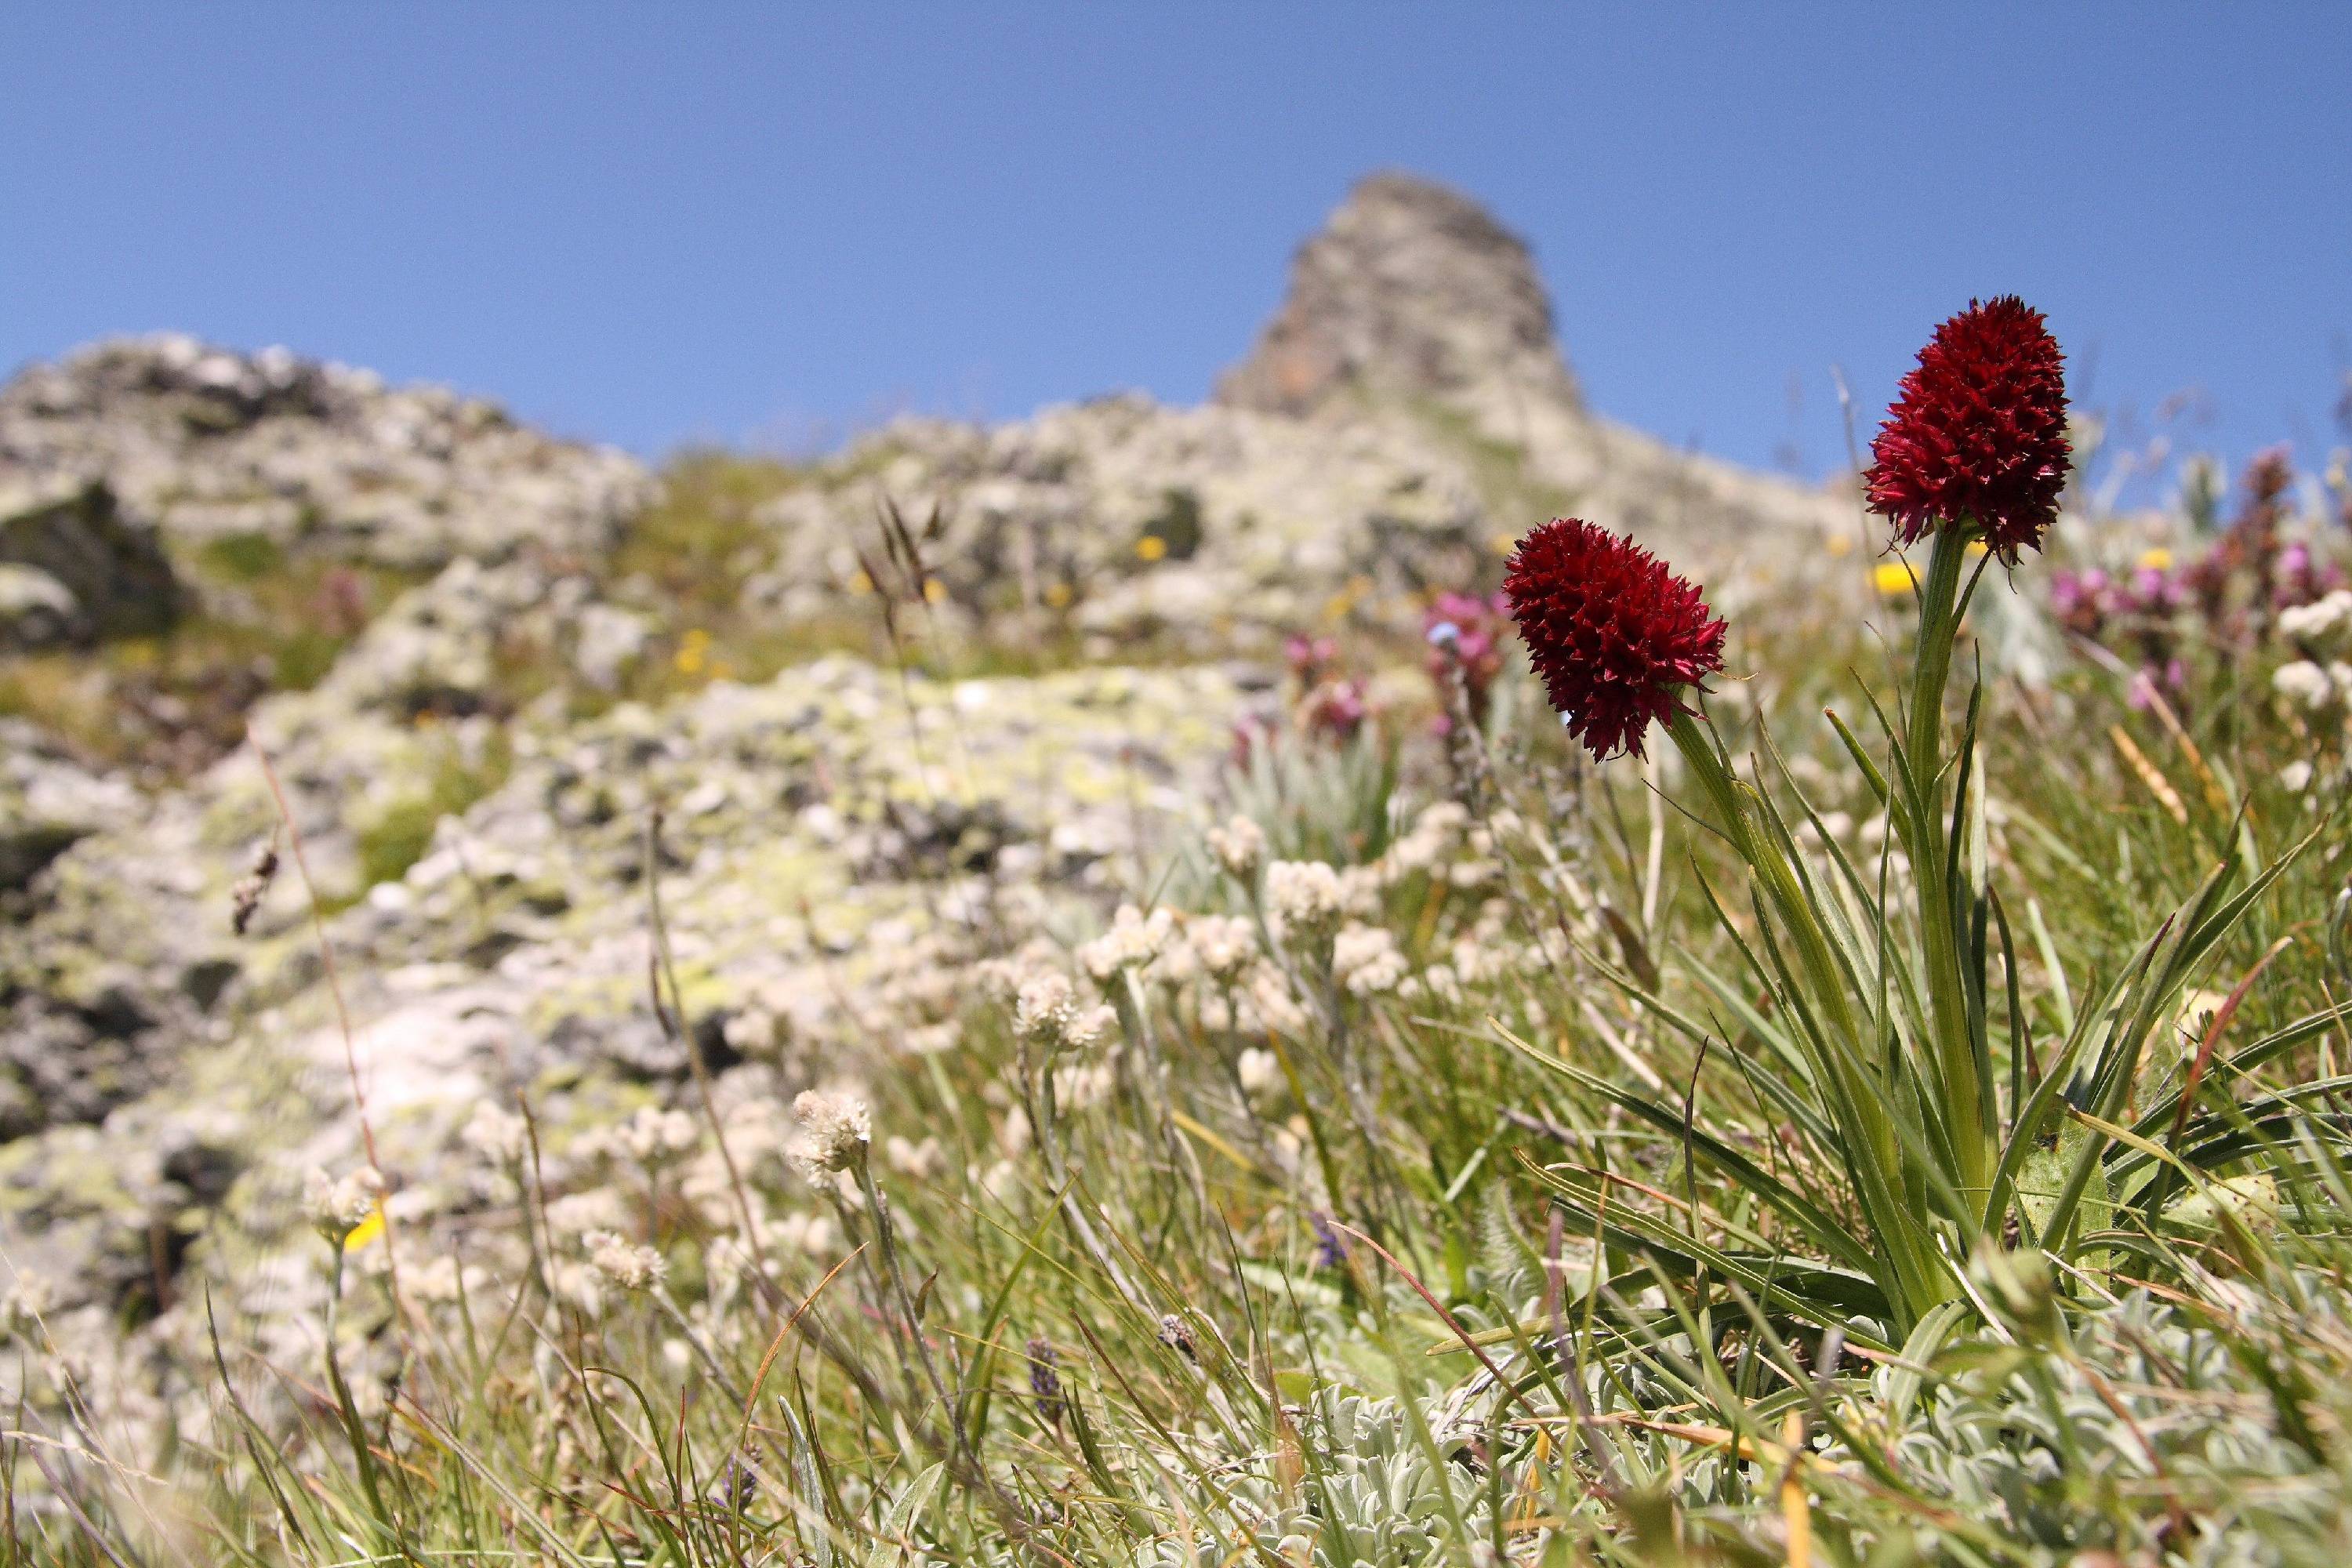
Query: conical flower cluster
<point x="1614" y="632"/>
<point x="1978" y="432"/>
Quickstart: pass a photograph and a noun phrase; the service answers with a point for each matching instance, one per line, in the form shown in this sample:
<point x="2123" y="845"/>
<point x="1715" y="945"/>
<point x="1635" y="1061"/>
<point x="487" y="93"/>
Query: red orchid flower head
<point x="1977" y="432"/>
<point x="1614" y="632"/>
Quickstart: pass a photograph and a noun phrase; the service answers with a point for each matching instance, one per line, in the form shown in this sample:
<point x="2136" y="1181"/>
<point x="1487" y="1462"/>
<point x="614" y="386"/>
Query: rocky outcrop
<point x="77" y="569"/>
<point x="1411" y="291"/>
<point x="270" y="505"/>
<point x="206" y="446"/>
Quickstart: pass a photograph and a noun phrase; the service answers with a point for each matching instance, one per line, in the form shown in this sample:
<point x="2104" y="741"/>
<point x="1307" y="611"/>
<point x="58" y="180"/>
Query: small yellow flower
<point x="859" y="582"/>
<point x="693" y="651"/>
<point x="1058" y="594"/>
<point x="1976" y="547"/>
<point x="934" y="591"/>
<point x="1150" y="547"/>
<point x="1342" y="604"/>
<point x="1502" y="544"/>
<point x="367" y="1230"/>
<point x="2158" y="559"/>
<point x="1892" y="577"/>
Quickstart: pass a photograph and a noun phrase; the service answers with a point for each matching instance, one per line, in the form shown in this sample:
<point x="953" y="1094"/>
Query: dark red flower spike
<point x="1613" y="631"/>
<point x="1979" y="431"/>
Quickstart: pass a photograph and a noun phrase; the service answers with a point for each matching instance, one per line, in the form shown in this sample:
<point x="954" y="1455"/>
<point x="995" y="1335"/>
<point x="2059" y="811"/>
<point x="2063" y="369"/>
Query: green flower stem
<point x="1965" y="1093"/>
<point x="1772" y="870"/>
<point x="1856" y="1098"/>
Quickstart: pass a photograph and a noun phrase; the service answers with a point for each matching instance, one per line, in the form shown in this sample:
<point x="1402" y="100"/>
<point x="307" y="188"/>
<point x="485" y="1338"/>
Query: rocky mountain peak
<point x="1411" y="290"/>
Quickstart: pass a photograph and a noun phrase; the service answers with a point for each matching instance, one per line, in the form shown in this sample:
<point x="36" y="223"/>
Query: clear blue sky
<point x="653" y="224"/>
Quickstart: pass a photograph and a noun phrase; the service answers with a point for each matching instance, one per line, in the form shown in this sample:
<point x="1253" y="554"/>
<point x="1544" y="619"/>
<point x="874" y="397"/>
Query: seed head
<point x="1177" y="1335"/>
<point x="1044" y="1383"/>
<point x="1614" y="632"/>
<point x="1046" y="1013"/>
<point x="246" y="897"/>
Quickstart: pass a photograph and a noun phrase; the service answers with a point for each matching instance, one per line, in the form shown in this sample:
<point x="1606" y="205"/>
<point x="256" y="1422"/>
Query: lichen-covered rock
<point x="48" y="800"/>
<point x="835" y="847"/>
<point x="1214" y="528"/>
<point x="1120" y="518"/>
<point x="209" y="445"/>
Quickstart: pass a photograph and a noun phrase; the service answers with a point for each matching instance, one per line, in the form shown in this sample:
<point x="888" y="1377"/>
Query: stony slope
<point x="839" y="844"/>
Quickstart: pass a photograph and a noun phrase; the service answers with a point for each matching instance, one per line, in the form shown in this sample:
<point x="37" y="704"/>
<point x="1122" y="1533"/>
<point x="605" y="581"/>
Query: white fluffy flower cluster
<point x="337" y="1207"/>
<point x="1277" y="1009"/>
<point x="578" y="1213"/>
<point x="922" y="1160"/>
<point x="654" y="1136"/>
<point x="1260" y="1071"/>
<point x="731" y="1258"/>
<point x="2313" y="685"/>
<point x="1366" y="960"/>
<point x="1224" y="945"/>
<point x="1437" y="980"/>
<point x="834" y="1131"/>
<point x="441" y="1279"/>
<point x="1080" y="1086"/>
<point x="1046" y="1013"/>
<point x="1444" y="844"/>
<point x="622" y="1262"/>
<point x="495" y="1133"/>
<point x="1239" y="847"/>
<point x="1133" y="940"/>
<point x="1219" y="948"/>
<point x="1434" y="834"/>
<point x="2321" y="618"/>
<point x="1485" y="952"/>
<point x="1304" y="896"/>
